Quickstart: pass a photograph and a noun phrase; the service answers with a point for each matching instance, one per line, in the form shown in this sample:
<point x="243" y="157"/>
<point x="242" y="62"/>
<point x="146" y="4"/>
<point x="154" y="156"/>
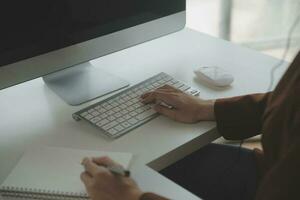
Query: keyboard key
<point x="140" y="110"/>
<point x="156" y="85"/>
<point x="133" y="95"/>
<point x="111" y="118"/>
<point x="161" y="82"/>
<point x="146" y="114"/>
<point x="124" y="112"/>
<point x="138" y="105"/>
<point x="102" y="123"/>
<point x="130" y="109"/>
<point x="104" y="115"/>
<point x="127" y="117"/>
<point x="193" y="92"/>
<point x="135" y="89"/>
<point x="135" y="100"/>
<point x="95" y="113"/>
<point x="123" y="106"/>
<point x="121" y="119"/>
<point x="133" y="113"/>
<point x="88" y="116"/>
<point x="133" y="121"/>
<point x="95" y="120"/>
<point x="169" y="83"/>
<point x="91" y="110"/>
<point x="174" y="81"/>
<point x="184" y="88"/>
<point x="140" y="93"/>
<point x="178" y="85"/>
<point x="105" y="104"/>
<point x="119" y="128"/>
<point x="84" y="114"/>
<point x="128" y="103"/>
<point x="117" y="115"/>
<point x="113" y="131"/>
<point x="110" y="112"/>
<point x="167" y="78"/>
<point x="110" y="101"/>
<point x="126" y="98"/>
<point x="110" y="125"/>
<point x="146" y="107"/>
<point x="101" y="110"/>
<point x="144" y="90"/>
<point x="116" y="109"/>
<point x="126" y="124"/>
<point x="114" y="104"/>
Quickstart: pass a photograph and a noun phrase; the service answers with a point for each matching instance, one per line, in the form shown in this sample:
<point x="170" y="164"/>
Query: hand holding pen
<point x="105" y="179"/>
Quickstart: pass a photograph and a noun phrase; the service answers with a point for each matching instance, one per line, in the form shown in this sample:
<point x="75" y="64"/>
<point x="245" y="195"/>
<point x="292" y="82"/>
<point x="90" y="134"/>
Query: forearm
<point x="206" y="110"/>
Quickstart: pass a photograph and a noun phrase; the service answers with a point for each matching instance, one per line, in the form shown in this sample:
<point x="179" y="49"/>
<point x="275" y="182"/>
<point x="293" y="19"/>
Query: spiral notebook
<point x="50" y="173"/>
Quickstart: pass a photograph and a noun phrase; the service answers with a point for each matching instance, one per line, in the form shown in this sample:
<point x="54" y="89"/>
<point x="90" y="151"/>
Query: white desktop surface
<point x="31" y="114"/>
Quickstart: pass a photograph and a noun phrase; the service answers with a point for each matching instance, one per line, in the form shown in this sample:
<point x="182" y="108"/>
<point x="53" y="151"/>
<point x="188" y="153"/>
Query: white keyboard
<point x="124" y="111"/>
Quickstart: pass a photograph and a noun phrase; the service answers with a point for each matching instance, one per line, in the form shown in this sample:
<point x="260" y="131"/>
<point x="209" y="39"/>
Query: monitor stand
<point x="82" y="83"/>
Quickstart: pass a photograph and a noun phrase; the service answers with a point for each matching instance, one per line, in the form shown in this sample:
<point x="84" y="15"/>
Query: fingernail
<point x="84" y="160"/>
<point x="94" y="159"/>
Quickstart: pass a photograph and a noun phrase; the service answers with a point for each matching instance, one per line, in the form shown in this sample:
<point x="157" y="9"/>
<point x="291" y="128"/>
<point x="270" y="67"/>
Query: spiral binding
<point x="25" y="193"/>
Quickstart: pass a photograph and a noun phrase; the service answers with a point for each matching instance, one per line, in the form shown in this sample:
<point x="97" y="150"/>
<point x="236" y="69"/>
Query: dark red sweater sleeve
<point x="240" y="117"/>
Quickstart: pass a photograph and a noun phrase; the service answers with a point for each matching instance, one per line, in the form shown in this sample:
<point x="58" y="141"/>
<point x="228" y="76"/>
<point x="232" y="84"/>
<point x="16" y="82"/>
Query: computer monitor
<point x="56" y="39"/>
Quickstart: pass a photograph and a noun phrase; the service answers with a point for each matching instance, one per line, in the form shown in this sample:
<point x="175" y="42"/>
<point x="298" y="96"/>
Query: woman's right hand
<point x="183" y="107"/>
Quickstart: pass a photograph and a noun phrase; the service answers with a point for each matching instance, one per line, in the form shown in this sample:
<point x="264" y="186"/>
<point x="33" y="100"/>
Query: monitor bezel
<point x="61" y="59"/>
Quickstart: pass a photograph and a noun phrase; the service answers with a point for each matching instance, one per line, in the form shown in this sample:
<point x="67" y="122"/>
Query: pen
<point x="119" y="170"/>
<point x="115" y="169"/>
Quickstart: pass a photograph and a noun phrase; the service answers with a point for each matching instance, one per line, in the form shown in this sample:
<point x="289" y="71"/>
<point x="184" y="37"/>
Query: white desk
<point x="32" y="115"/>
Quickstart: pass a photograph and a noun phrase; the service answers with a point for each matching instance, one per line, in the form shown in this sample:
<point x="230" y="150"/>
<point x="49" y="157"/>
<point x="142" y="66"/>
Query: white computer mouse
<point x="214" y="76"/>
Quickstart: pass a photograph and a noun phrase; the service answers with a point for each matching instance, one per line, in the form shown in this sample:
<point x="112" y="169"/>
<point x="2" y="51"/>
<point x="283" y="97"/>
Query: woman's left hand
<point x="101" y="184"/>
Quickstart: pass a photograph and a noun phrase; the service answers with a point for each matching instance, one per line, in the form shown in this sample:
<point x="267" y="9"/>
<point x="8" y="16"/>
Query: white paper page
<point x="56" y="169"/>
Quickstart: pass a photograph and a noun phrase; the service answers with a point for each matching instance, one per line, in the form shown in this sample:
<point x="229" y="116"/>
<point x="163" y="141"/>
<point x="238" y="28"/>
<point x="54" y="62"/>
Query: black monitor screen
<point x="33" y="27"/>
